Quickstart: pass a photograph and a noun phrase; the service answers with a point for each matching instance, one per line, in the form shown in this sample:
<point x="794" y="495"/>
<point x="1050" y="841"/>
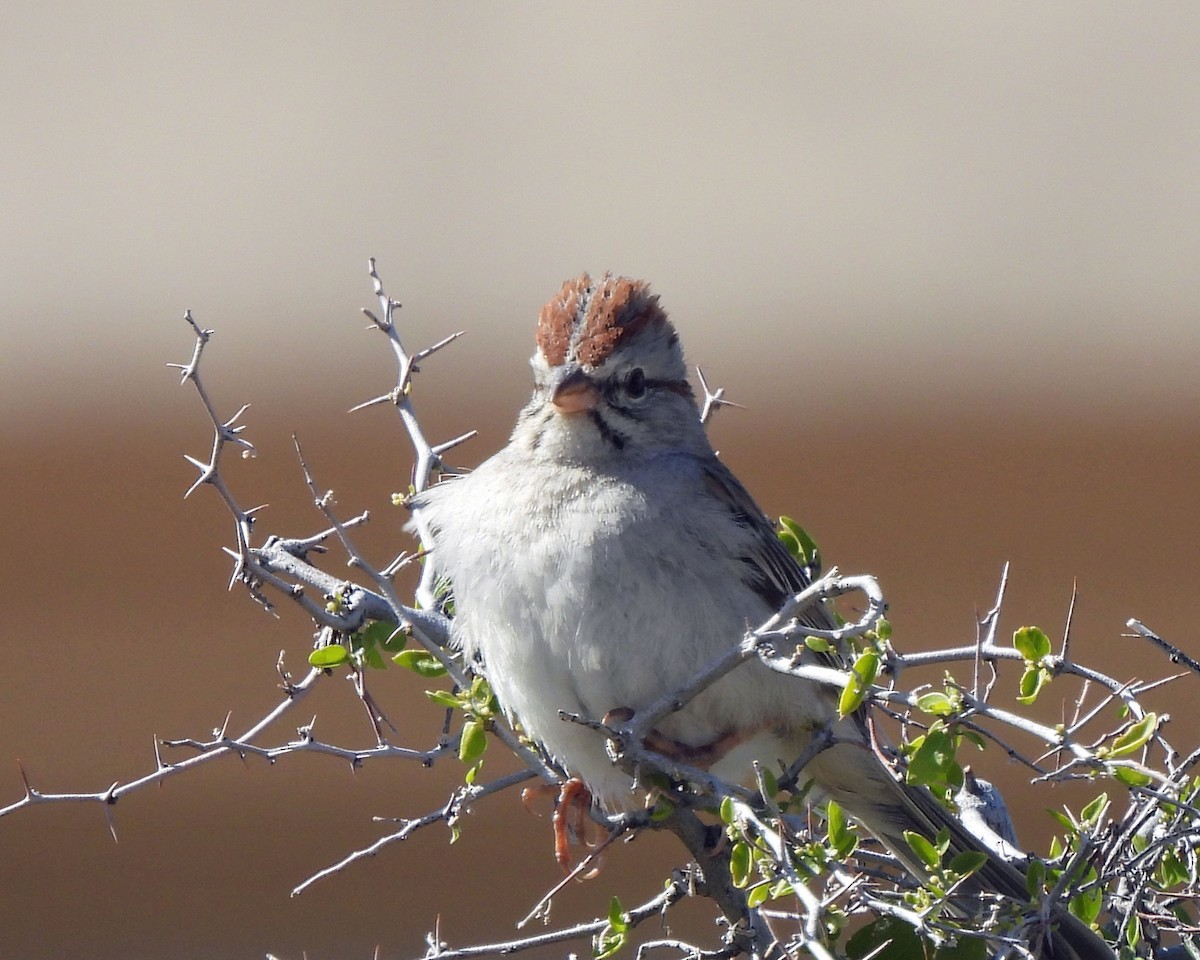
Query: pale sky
<point x="942" y="198"/>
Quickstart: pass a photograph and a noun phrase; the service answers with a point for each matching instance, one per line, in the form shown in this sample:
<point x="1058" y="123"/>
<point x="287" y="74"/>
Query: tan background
<point x="946" y="255"/>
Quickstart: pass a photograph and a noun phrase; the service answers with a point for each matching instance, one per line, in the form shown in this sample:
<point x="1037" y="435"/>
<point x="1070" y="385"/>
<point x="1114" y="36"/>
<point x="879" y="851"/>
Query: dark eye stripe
<point x="633" y="408"/>
<point x="681" y="387"/>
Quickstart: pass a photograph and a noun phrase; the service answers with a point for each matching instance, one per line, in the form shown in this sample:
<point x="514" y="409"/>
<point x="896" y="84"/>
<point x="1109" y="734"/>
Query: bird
<point x="605" y="553"/>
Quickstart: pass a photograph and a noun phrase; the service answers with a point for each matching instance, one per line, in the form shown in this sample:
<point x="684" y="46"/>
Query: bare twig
<point x="712" y="399"/>
<point x="220" y="747"/>
<point x="458" y="803"/>
<point x="656" y="906"/>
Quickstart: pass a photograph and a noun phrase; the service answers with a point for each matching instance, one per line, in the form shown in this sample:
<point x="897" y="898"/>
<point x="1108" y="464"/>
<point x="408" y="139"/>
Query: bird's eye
<point x="635" y="383"/>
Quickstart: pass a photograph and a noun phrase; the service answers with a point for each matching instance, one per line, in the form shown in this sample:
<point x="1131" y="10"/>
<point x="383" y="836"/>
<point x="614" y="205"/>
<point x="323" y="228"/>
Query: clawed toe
<point x="573" y="801"/>
<point x="531" y="795"/>
<point x="571" y="820"/>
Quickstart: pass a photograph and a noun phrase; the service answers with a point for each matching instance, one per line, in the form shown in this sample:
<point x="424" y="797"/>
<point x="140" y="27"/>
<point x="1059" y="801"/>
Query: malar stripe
<point x="607" y="433"/>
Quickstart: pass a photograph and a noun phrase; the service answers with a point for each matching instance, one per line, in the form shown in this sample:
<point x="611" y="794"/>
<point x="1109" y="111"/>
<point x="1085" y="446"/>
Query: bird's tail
<point x="853" y="776"/>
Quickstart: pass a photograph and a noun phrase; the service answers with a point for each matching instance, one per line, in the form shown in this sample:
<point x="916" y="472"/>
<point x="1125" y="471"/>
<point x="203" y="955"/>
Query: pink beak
<point x="575" y="395"/>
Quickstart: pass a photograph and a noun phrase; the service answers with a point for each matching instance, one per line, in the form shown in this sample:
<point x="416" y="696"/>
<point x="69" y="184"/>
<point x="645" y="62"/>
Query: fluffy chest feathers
<point x="577" y="557"/>
<point x="585" y="591"/>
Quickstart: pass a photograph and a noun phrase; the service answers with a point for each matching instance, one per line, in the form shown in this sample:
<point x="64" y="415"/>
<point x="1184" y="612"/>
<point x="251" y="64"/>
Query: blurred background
<point x="945" y="255"/>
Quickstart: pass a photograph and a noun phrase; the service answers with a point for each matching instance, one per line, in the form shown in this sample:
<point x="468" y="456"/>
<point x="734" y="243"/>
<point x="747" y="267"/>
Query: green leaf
<point x="421" y="662"/>
<point x="1029" y="685"/>
<point x="858" y="685"/>
<point x="1035" y="879"/>
<point x="936" y="702"/>
<point x="791" y="544"/>
<point x="727" y="810"/>
<point x="1131" y="777"/>
<point x="1032" y="643"/>
<point x="841" y="838"/>
<point x="818" y="644"/>
<point x="373" y="658"/>
<point x="1086" y="905"/>
<point x="770" y="783"/>
<point x="483" y="701"/>
<point x="887" y="938"/>
<point x="614" y="936"/>
<point x="1032" y="681"/>
<point x="395" y="640"/>
<point x="1171" y="870"/>
<point x="975" y="738"/>
<point x="799" y="544"/>
<point x="1136" y="737"/>
<point x="1133" y="932"/>
<point x="758" y="895"/>
<point x="967" y="862"/>
<point x="932" y="762"/>
<point x="1091" y="813"/>
<point x="333" y="655"/>
<point x="381" y="633"/>
<point x="739" y="863"/>
<point x="473" y="741"/>
<point x="883" y="628"/>
<point x="444" y="698"/>
<point x="616" y="916"/>
<point x="837" y="830"/>
<point x="925" y="851"/>
<point x="607" y="944"/>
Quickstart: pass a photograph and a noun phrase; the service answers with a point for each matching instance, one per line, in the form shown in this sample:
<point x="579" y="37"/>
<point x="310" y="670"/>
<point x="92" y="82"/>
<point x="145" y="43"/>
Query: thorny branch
<point x="220" y="745"/>
<point x="1134" y="871"/>
<point x="448" y="814"/>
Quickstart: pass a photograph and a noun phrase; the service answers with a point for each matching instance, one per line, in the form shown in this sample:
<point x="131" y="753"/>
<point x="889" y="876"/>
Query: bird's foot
<point x="570" y="819"/>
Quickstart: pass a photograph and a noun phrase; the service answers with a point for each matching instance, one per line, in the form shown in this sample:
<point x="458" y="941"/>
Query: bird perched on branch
<point x="605" y="554"/>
